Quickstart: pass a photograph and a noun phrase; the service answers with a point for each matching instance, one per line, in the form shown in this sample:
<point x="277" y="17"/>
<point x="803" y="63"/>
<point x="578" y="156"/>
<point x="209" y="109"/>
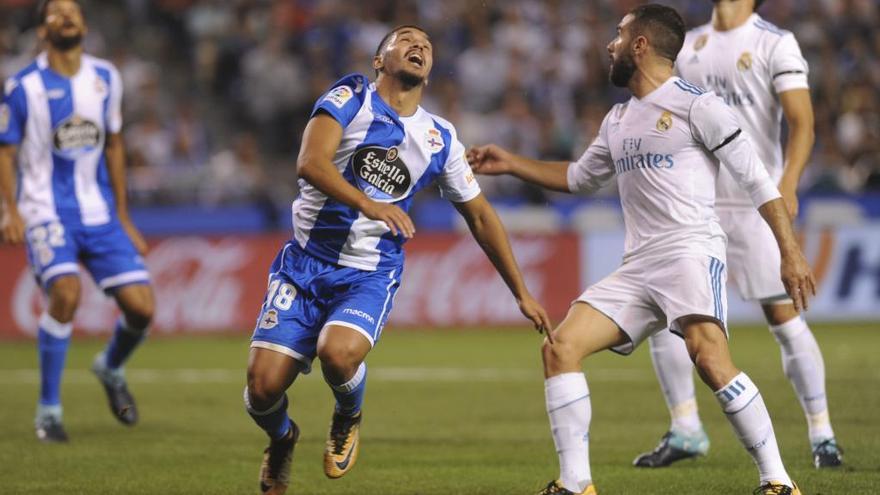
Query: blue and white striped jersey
<point x="60" y="125"/>
<point x="389" y="158"/>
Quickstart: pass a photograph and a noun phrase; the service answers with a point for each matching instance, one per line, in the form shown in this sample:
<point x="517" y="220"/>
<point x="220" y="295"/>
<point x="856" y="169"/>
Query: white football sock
<point x="745" y="409"/>
<point x="568" y="405"/>
<point x="804" y="367"/>
<point x="675" y="371"/>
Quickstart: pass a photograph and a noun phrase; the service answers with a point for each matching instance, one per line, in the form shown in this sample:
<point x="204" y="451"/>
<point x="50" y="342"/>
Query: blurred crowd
<point x="217" y="92"/>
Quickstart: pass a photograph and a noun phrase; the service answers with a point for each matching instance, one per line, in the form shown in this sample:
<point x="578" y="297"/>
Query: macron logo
<point x="359" y="313"/>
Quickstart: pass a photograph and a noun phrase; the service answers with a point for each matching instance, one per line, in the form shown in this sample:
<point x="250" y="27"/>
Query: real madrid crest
<point x="745" y="61"/>
<point x="701" y="42"/>
<point x="664" y="123"/>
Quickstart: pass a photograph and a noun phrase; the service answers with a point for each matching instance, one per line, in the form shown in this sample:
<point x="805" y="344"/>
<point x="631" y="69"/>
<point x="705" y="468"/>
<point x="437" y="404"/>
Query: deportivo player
<point x="365" y="152"/>
<point x="664" y="146"/>
<point x="759" y="72"/>
<point x="60" y="121"/>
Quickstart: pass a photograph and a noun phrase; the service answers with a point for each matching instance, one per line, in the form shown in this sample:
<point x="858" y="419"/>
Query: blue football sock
<point x="350" y="395"/>
<point x="124" y="341"/>
<point x="53" y="339"/>
<point x="274" y="421"/>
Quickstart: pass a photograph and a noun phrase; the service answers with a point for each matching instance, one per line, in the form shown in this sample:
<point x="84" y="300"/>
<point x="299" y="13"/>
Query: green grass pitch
<point x="446" y="413"/>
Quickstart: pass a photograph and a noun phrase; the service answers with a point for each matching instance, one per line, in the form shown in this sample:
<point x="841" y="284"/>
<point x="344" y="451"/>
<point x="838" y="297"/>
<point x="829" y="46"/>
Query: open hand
<point x="490" y="160"/>
<point x="798" y="279"/>
<point x="11" y="228"/>
<point x="532" y="310"/>
<point x="396" y="219"/>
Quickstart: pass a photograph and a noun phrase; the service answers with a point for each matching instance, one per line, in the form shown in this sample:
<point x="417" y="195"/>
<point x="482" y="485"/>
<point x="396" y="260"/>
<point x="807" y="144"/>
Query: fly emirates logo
<point x="634" y="157"/>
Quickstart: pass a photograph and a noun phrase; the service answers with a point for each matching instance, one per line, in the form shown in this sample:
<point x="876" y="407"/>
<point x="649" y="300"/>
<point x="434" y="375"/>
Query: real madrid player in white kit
<point x="665" y="146"/>
<point x="60" y="122"/>
<point x="365" y="152"/>
<point x="760" y="73"/>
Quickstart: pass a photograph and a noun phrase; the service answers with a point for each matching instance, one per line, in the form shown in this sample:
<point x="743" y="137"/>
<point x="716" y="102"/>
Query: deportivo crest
<point x="701" y="42"/>
<point x="380" y="173"/>
<point x="664" y="123"/>
<point x="75" y="137"/>
<point x="339" y="96"/>
<point x="745" y="61"/>
<point x="269" y="319"/>
<point x="434" y="140"/>
<point x="100" y="86"/>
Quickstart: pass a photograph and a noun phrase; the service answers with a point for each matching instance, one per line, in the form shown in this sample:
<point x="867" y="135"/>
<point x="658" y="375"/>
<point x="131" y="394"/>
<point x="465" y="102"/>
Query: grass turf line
<point x="428" y="427"/>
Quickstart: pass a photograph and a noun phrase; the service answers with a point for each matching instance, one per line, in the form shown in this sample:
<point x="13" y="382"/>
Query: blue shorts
<point x="306" y="294"/>
<point x="54" y="249"/>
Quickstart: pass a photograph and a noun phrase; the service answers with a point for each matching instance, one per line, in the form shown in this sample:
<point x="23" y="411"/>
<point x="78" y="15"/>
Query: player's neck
<point x="65" y="62"/>
<point x="404" y="100"/>
<point x="730" y="15"/>
<point x="647" y="79"/>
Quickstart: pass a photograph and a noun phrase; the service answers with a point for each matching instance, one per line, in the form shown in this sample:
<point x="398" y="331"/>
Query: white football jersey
<point x="747" y="67"/>
<point x="60" y="126"/>
<point x="665" y="149"/>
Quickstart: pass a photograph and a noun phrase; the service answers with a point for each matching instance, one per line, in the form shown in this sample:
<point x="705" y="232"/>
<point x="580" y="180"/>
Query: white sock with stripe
<point x="745" y="409"/>
<point x="804" y="367"/>
<point x="568" y="406"/>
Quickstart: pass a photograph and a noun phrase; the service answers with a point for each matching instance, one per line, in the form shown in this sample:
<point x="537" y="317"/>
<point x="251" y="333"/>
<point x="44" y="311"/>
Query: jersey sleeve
<point x="457" y="182"/>
<point x="13" y="113"/>
<point x="788" y="68"/>
<point x="114" y="107"/>
<point x="714" y="124"/>
<point x="594" y="168"/>
<point x="343" y="101"/>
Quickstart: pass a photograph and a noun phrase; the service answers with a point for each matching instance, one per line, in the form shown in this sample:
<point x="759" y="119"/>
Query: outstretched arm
<point x="488" y="231"/>
<point x="315" y="165"/>
<point x="11" y="224"/>
<point x="495" y="160"/>
<point x="589" y="173"/>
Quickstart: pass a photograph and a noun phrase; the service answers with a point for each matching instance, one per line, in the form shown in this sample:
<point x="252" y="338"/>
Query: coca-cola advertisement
<point x="216" y="284"/>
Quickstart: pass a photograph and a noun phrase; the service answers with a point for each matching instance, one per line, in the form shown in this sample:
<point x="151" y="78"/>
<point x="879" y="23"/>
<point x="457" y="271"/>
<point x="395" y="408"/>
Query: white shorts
<point x="753" y="255"/>
<point x="644" y="297"/>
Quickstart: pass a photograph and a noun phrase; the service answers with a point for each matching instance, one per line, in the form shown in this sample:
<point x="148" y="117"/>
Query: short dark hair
<point x="389" y="34"/>
<point x="43" y="10"/>
<point x="758" y="4"/>
<point x="663" y="27"/>
<point x="387" y="37"/>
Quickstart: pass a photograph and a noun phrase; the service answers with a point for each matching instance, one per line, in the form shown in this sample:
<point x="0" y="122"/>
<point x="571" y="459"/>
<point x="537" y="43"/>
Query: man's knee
<point x="263" y="390"/>
<point x="341" y="350"/>
<point x="340" y="357"/>
<point x="138" y="307"/>
<point x="707" y="346"/>
<point x="559" y="355"/>
<point x="64" y="298"/>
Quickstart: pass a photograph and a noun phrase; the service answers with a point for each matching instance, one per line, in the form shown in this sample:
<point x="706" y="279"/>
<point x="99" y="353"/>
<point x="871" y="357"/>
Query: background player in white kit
<point x="368" y="148"/>
<point x="759" y="72"/>
<point x="664" y="145"/>
<point x="61" y="118"/>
